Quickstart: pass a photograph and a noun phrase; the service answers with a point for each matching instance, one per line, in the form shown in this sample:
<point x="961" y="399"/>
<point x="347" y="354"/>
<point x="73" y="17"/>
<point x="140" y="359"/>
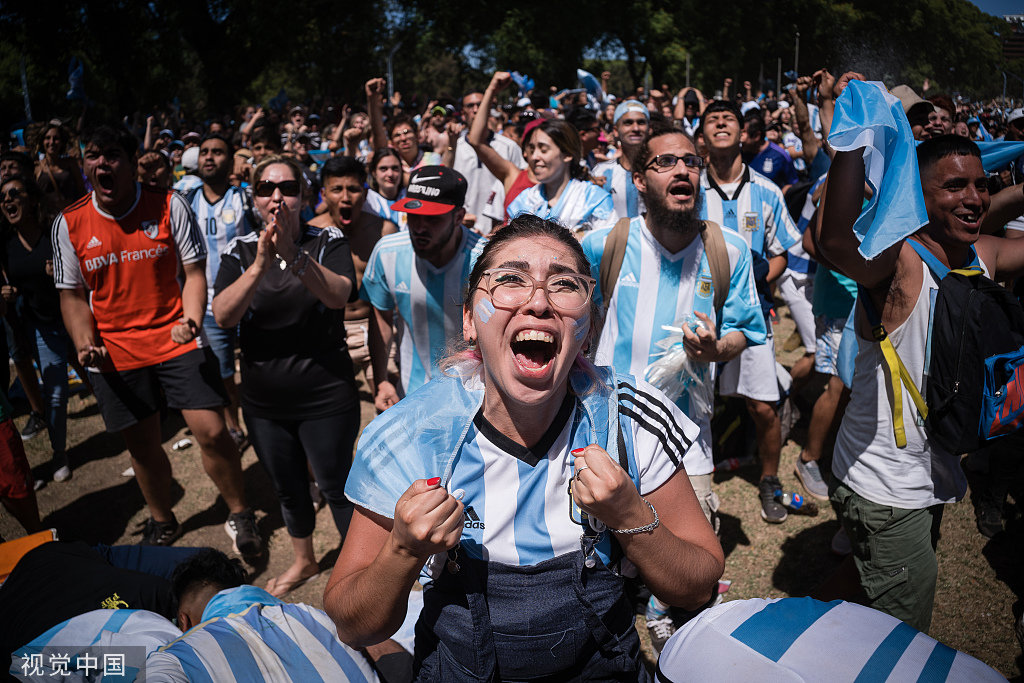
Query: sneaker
<point x="62" y="473"/>
<point x="660" y="629"/>
<point x="988" y="515"/>
<point x="317" y="495"/>
<point x="33" y="427"/>
<point x="841" y="543"/>
<point x="241" y="528"/>
<point x="240" y="439"/>
<point x="160" y="533"/>
<point x="772" y="511"/>
<point x="810" y="477"/>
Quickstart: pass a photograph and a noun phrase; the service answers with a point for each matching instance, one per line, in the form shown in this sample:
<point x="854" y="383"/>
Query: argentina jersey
<point x="657" y="288"/>
<point x="427" y="301"/>
<point x="754" y="208"/>
<point x="518" y="510"/>
<point x="619" y="182"/>
<point x="376" y="204"/>
<point x="581" y="206"/>
<point x="801" y="639"/>
<point x="799" y="260"/>
<point x="219" y="223"/>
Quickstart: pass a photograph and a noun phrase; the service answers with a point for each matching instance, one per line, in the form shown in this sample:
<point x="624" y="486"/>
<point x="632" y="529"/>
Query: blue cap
<point x="973" y="119"/>
<point x="630" y="105"/>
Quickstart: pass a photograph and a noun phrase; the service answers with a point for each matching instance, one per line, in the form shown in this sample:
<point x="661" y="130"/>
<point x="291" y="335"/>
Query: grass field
<point x="973" y="600"/>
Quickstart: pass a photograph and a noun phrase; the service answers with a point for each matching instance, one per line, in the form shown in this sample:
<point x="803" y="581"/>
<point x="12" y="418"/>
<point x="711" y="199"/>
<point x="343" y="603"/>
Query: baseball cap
<point x="166" y="131"/>
<point x="191" y="135"/>
<point x="748" y="106"/>
<point x="973" y="119"/>
<point x="630" y="106"/>
<point x="432" y="191"/>
<point x="190" y="159"/>
<point x="1015" y="115"/>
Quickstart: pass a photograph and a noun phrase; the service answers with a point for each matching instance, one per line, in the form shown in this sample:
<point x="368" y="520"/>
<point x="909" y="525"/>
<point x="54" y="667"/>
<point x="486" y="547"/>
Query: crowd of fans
<point x="246" y="269"/>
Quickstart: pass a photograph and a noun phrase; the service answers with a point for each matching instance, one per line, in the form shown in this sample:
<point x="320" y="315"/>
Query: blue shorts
<point x="222" y="341"/>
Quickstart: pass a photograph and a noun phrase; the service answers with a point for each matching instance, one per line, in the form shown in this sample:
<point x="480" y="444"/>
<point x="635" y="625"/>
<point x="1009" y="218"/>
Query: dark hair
<point x="568" y="142"/>
<point x="754" y="125"/>
<point x="379" y="156"/>
<point x="65" y="137"/>
<point x="265" y="135"/>
<point x="722" y="105"/>
<point x="337" y="167"/>
<point x="218" y="136"/>
<point x="24" y="161"/>
<point x="106" y="136"/>
<point x="943" y="101"/>
<point x="208" y="567"/>
<point x="396" y="121"/>
<point x="33" y="191"/>
<point x="524" y="226"/>
<point x="643" y="150"/>
<point x="942" y="146"/>
<point x="581" y="117"/>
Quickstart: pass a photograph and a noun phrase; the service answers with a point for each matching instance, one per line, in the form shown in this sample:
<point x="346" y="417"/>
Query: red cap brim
<point x="421" y="207"/>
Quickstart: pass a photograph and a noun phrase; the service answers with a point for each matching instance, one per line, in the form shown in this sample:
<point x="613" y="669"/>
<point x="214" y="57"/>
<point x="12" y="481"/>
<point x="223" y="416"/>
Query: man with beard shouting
<point x="665" y="279"/>
<point x="223" y="212"/>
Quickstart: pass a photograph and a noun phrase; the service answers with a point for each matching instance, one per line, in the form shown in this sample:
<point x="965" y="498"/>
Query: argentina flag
<point x="868" y="116"/>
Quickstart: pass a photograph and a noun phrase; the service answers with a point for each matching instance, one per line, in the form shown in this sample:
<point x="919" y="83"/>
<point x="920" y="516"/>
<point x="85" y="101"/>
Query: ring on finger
<point x="579" y="471"/>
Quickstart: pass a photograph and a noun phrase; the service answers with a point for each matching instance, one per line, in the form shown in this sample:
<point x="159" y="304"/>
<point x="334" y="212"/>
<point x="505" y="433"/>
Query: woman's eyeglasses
<point x="12" y="195"/>
<point x="664" y="162"/>
<point x="510" y="287"/>
<point x="289" y="188"/>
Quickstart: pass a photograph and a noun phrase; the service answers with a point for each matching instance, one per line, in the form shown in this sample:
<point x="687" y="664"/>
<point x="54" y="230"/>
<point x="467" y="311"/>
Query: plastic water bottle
<point x="733" y="464"/>
<point x="796" y="503"/>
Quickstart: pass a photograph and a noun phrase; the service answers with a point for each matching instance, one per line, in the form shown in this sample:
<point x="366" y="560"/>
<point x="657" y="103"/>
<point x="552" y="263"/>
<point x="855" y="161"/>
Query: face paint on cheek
<point x="484" y="310"/>
<point x="581" y="327"/>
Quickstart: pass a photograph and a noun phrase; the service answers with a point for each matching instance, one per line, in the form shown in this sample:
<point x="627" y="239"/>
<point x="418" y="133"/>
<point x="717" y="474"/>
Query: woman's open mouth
<point x="533" y="349"/>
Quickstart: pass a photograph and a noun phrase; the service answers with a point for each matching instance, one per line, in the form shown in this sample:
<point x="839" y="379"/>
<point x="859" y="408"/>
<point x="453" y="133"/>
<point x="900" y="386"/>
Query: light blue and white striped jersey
<point x="376" y="204"/>
<point x="656" y="288"/>
<point x="754" y="208"/>
<point x="619" y="182"/>
<point x="266" y="640"/>
<point x="581" y="206"/>
<point x="427" y="300"/>
<point x="800" y="639"/>
<point x="516" y="498"/>
<point x="220" y="223"/>
<point x="799" y="260"/>
<point x="133" y="633"/>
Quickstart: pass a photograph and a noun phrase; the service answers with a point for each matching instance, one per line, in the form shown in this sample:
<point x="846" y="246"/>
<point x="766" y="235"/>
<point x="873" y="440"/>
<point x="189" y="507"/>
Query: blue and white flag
<point x="995" y="155"/>
<point x="868" y="116"/>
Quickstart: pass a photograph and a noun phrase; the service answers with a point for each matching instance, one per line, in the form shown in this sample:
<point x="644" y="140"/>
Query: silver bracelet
<point x="300" y="268"/>
<point x="641" y="529"/>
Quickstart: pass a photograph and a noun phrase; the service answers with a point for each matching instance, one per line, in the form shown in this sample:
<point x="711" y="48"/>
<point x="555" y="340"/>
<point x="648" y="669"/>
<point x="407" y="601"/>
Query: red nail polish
<point x="434" y="482"/>
<point x="578" y="451"/>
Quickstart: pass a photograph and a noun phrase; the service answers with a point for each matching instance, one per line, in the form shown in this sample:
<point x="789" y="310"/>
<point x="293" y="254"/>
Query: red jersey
<point x="129" y="265"/>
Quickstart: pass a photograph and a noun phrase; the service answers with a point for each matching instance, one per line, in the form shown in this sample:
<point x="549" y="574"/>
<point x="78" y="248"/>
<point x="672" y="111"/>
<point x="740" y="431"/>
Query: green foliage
<point x="214" y="54"/>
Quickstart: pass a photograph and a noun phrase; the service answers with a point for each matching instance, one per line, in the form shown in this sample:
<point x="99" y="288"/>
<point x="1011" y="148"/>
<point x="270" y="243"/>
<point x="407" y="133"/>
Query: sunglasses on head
<point x="289" y="188"/>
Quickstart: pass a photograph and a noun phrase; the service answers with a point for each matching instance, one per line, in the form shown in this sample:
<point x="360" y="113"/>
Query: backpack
<point x="975" y="356"/>
<point x="714" y="247"/>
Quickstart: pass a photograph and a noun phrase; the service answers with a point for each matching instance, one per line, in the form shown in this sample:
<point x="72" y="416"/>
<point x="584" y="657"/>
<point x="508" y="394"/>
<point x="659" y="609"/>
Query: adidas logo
<point x="472" y="519"/>
<point x="93" y="243"/>
<point x="402" y="288"/>
<point x="731" y="213"/>
<point x="628" y="280"/>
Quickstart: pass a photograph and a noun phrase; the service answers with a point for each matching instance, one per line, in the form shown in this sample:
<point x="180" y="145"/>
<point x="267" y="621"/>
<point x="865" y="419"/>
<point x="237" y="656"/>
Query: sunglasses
<point x="289" y="188"/>
<point x="663" y="162"/>
<point x="11" y="195"/>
